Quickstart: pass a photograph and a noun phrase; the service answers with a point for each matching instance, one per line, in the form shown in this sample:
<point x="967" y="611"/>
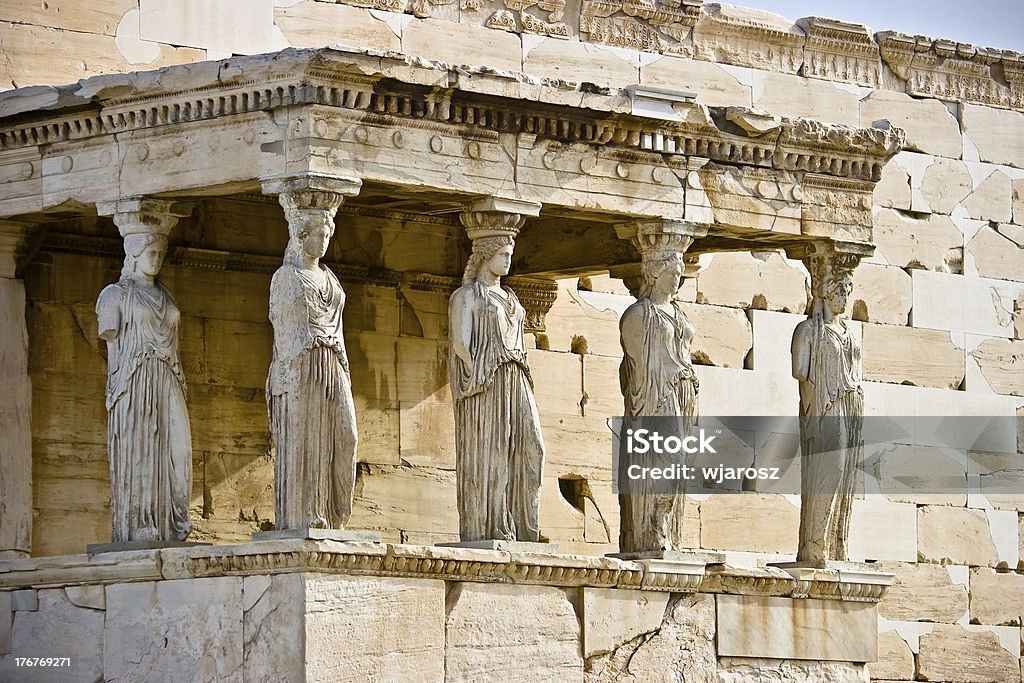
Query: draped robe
<point x="498" y="442"/>
<point x="309" y="398"/>
<point x="148" y="434"/>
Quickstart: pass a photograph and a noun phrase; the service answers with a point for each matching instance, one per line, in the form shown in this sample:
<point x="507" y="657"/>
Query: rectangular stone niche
<point x="319" y="610"/>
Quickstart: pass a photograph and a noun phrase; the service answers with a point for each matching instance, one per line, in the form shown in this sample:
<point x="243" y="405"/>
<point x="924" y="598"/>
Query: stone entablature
<point x="363" y="112"/>
<point x="948" y="70"/>
<point x="445" y="563"/>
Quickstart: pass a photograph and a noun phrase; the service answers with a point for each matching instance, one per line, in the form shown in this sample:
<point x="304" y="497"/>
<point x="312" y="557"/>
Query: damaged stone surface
<point x="679" y="646"/>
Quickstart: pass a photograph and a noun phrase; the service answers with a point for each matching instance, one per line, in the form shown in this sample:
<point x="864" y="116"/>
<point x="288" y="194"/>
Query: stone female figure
<point x="148" y="433"/>
<point x="309" y="390"/>
<point x="827" y="363"/>
<point x="499" y="447"/>
<point x="657" y="379"/>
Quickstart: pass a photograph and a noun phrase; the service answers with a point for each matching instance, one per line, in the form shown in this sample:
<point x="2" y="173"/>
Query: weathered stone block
<point x="505" y="633"/>
<point x="998" y="253"/>
<point x="680" y="647"/>
<point x="991" y="200"/>
<point x="773" y="336"/>
<point x="1001" y="361"/>
<point x="793" y="96"/>
<point x="944" y="184"/>
<point x="961" y="304"/>
<point x="717" y="87"/>
<point x="427" y="435"/>
<point x="880" y="530"/>
<point x="996" y="598"/>
<point x="612" y="618"/>
<point x="922" y="475"/>
<point x="954" y="653"/>
<point x="405" y="498"/>
<point x="923" y="592"/>
<point x="362" y="628"/>
<point x="273" y="626"/>
<point x="589" y="320"/>
<point x="907" y="355"/>
<point x="571" y="60"/>
<point x="893" y="190"/>
<point x="929" y="125"/>
<point x="315" y="24"/>
<point x="725" y="523"/>
<point x="237" y="353"/>
<point x="57" y="628"/>
<point x="463" y="44"/>
<point x="932" y="243"/>
<point x="187" y="629"/>
<point x="557" y="381"/>
<point x="997" y="133"/>
<point x="783" y="628"/>
<point x="727" y="391"/>
<point x="955" y="536"/>
<point x="895" y="659"/>
<point x="722" y="335"/>
<point x="764" y="280"/>
<point x="881" y="294"/>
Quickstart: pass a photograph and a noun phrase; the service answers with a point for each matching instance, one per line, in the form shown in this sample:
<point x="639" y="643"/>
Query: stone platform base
<point x="323" y="610"/>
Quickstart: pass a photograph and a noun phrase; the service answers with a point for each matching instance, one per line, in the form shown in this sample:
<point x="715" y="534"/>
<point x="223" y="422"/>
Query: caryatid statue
<point x="309" y="387"/>
<point x="827" y="364"/>
<point x="498" y="442"/>
<point x="148" y="434"/>
<point x="656" y="375"/>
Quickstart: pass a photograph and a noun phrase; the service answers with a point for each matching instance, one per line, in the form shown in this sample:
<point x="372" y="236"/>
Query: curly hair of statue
<point x="484" y="250"/>
<point x="828" y="273"/>
<point x="652" y="268"/>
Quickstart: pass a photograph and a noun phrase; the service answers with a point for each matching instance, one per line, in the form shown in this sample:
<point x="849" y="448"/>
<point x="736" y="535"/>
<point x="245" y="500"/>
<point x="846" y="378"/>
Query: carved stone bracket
<point x="656" y="239"/>
<point x="143" y="215"/>
<point x="311" y="190"/>
<point x="827" y="258"/>
<point x="537" y="295"/>
<point x="497" y="216"/>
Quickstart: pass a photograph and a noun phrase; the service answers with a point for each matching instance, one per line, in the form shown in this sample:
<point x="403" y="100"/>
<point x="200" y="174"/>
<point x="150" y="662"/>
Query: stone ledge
<point x="433" y="562"/>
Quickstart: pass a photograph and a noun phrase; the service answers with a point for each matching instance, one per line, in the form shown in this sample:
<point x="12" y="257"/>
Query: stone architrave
<point x="656" y="375"/>
<point x="498" y="442"/>
<point x="148" y="435"/>
<point x="309" y="387"/>
<point x="15" y="402"/>
<point x="827" y="364"/>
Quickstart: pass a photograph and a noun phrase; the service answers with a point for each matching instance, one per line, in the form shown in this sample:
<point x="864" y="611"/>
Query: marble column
<point x="827" y="364"/>
<point x="498" y="441"/>
<point x="656" y="376"/>
<point x="309" y="386"/>
<point x="15" y="403"/>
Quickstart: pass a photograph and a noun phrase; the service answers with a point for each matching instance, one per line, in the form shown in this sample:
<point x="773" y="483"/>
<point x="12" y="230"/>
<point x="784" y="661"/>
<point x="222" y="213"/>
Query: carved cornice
<point x="315" y="79"/>
<point x="838" y="51"/>
<point x="433" y="562"/>
<point x="747" y="37"/>
<point x="954" y="71"/>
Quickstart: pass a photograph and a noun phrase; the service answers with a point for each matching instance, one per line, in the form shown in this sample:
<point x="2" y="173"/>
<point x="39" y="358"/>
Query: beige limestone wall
<point x="941" y="302"/>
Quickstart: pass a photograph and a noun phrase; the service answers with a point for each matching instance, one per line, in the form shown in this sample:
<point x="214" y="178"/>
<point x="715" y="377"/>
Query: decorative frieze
<point x="537" y="295"/>
<point x="748" y="37"/>
<point x="947" y="70"/>
<point x="648" y="25"/>
<point x="838" y="51"/>
<point x="434" y="562"/>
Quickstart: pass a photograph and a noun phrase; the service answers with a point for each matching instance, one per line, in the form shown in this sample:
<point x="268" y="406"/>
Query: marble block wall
<point x="940" y="306"/>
